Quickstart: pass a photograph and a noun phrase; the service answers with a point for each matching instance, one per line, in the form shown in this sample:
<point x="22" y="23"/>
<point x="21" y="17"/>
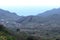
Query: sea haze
<point x="28" y="10"/>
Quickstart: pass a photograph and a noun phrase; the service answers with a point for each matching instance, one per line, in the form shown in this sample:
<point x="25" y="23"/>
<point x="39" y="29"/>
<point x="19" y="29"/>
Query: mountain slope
<point x="5" y="34"/>
<point x="44" y="21"/>
<point x="6" y="15"/>
<point x="41" y="17"/>
<point x="50" y="12"/>
<point x="9" y="19"/>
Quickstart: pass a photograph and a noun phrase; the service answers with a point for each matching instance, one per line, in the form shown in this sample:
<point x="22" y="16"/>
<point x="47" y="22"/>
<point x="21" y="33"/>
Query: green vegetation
<point x="4" y="34"/>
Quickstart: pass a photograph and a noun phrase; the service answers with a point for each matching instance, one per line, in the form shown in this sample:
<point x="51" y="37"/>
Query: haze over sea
<point x="29" y="7"/>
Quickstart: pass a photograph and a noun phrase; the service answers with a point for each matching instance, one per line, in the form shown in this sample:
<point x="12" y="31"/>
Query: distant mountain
<point x="50" y="12"/>
<point x="48" y="20"/>
<point x="6" y="15"/>
<point x="41" y="17"/>
<point x="30" y="19"/>
<point x="9" y="19"/>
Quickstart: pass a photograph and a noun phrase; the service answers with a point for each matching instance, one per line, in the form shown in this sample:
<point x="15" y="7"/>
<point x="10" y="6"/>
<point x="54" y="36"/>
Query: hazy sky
<point x="29" y="7"/>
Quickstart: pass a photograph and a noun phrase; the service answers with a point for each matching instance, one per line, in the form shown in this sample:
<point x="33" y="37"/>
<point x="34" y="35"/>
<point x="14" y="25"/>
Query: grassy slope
<point x="4" y="34"/>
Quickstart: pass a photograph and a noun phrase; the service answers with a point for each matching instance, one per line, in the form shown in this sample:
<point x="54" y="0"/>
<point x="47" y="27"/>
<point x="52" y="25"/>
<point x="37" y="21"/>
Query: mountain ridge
<point x="42" y="23"/>
<point x="37" y="22"/>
